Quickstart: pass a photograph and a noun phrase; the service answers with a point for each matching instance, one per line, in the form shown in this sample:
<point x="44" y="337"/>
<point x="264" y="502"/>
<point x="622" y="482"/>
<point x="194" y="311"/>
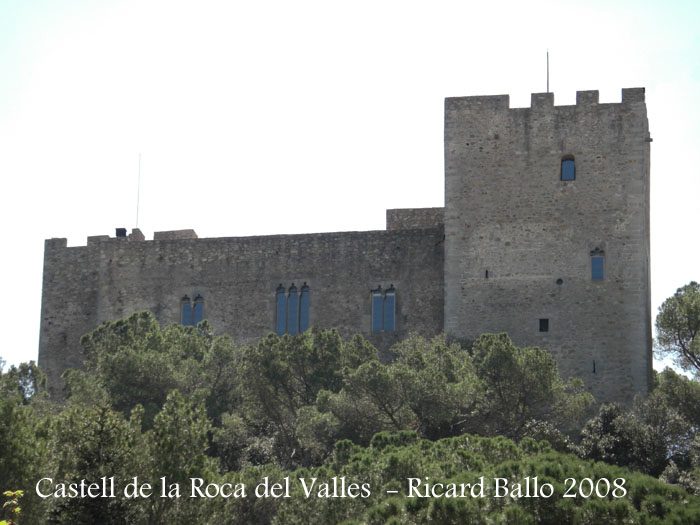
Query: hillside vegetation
<point x="177" y="404"/>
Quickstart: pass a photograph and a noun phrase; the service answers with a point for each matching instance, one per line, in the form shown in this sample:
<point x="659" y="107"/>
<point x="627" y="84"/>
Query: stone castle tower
<point x="547" y="231"/>
<point x="544" y="235"/>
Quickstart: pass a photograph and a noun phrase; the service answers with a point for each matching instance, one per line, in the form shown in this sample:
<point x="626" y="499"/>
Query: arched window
<point x="568" y="168"/>
<point x="281" y="299"/>
<point x="186" y="311"/>
<point x="292" y="306"/>
<point x="384" y="309"/>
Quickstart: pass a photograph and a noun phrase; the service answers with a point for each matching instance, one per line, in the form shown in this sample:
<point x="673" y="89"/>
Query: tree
<point x="278" y="378"/>
<point x="681" y="393"/>
<point x="26" y="380"/>
<point x="26" y="419"/>
<point x="677" y="328"/>
<point x="391" y="458"/>
<point x="91" y="442"/>
<point x="440" y="390"/>
<point x="521" y="384"/>
<point x="139" y="363"/>
<point x="647" y="438"/>
<point x="176" y="447"/>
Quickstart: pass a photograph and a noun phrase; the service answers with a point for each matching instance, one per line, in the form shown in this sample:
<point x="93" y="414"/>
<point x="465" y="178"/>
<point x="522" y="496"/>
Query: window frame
<point x="564" y="168"/>
<point x="292" y="309"/>
<point x="597" y="265"/>
<point x="191" y="311"/>
<point x="383" y="310"/>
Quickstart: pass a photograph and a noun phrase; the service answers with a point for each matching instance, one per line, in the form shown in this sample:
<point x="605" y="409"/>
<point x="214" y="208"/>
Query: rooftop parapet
<point x="175" y="235"/>
<point x="414" y="218"/>
<point x="587" y="98"/>
<point x="630" y="95"/>
<point x="537" y="100"/>
<point x="137" y="235"/>
<point x="96" y="239"/>
<point x="55" y="243"/>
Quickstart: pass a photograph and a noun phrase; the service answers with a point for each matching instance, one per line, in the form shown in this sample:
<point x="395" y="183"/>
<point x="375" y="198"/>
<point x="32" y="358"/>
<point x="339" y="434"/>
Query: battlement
<point x="396" y="219"/>
<point x="538" y="100"/>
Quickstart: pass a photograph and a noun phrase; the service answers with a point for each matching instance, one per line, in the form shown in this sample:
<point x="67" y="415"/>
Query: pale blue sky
<point x="279" y="117"/>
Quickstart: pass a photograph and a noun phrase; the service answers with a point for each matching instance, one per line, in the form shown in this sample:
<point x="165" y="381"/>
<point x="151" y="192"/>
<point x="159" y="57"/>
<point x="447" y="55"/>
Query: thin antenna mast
<point x="138" y="192"/>
<point x="547" y="70"/>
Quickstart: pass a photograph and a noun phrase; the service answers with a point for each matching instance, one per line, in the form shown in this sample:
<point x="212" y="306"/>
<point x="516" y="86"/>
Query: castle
<point x="544" y="235"/>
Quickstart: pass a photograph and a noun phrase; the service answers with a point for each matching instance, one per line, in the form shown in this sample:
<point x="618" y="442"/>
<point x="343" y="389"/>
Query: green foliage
<point x="680" y="393"/>
<point x="26" y="381"/>
<point x="279" y="382"/>
<point x="180" y="403"/>
<point x="466" y="459"/>
<point x="678" y="326"/>
<point x="439" y="385"/>
<point x="179" y="439"/>
<point x="138" y="363"/>
<point x="92" y="442"/>
<point x="176" y="451"/>
<point x="439" y="389"/>
<point x="25" y="421"/>
<point x="12" y="506"/>
<point x="520" y="384"/>
<point x="645" y="438"/>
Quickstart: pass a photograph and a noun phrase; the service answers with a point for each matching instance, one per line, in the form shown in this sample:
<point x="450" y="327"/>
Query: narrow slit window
<point x="293" y="311"/>
<point x="389" y="309"/>
<point x="384" y="310"/>
<point x="568" y="168"/>
<point x="377" y="310"/>
<point x="198" y="310"/>
<point x="597" y="265"/>
<point x="186" y="311"/>
<point x="281" y="310"/>
<point x="304" y="309"/>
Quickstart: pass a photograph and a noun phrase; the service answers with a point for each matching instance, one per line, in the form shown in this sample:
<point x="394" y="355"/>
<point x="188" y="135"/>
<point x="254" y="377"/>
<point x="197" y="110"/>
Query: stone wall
<point x="111" y="278"/>
<point x="407" y="218"/>
<point x="519" y="239"/>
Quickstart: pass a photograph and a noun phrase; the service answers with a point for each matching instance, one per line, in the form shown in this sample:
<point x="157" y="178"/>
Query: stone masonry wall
<point x="508" y="213"/>
<point x="408" y="218"/>
<point x="111" y="278"/>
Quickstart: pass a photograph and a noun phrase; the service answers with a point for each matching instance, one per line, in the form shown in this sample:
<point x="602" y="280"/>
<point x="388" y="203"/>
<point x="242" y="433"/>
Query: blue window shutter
<point x="304" y="309"/>
<point x="377" y="310"/>
<point x="293" y="311"/>
<point x="186" y="311"/>
<point x="198" y="310"/>
<point x="389" y="310"/>
<point x="281" y="311"/>
<point x="568" y="169"/>
<point x="597" y="268"/>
